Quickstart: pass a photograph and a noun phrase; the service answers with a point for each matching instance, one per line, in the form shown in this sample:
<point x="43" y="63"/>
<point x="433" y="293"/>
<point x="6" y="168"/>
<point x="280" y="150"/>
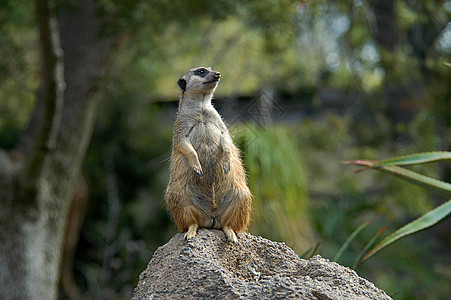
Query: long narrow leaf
<point x="349" y="240"/>
<point x="428" y="182"/>
<point x="423" y="222"/>
<point x="315" y="249"/>
<point x="306" y="252"/>
<point x="368" y="246"/>
<point x="360" y="162"/>
<point x="415" y="159"/>
<point x="310" y="251"/>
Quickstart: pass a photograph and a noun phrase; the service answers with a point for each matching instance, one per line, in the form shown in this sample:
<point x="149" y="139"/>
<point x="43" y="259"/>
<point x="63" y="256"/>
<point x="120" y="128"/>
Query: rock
<point x="209" y="266"/>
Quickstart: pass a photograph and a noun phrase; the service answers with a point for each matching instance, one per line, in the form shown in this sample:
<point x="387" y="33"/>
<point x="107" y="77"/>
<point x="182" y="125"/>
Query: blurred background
<point x="305" y="85"/>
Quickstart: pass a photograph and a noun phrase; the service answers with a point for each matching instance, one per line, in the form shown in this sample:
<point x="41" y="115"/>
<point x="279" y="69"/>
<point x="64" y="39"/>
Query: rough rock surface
<point x="255" y="268"/>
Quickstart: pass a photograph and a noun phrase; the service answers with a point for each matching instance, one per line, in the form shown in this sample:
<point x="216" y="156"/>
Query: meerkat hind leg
<point x="192" y="231"/>
<point x="231" y="236"/>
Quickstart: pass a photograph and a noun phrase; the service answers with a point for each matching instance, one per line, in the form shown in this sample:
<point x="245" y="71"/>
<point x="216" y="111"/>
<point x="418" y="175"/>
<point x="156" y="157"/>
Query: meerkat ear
<point x="182" y="84"/>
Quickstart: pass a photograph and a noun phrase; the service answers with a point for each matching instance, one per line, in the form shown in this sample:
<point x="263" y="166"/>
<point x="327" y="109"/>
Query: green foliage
<point x="19" y="65"/>
<point x="340" y="202"/>
<point x="126" y="218"/>
<point x="278" y="181"/>
<point x="310" y="252"/>
<point x="391" y="166"/>
<point x="430" y="219"/>
<point x="367" y="247"/>
<point x="415" y="159"/>
<point x="349" y="240"/>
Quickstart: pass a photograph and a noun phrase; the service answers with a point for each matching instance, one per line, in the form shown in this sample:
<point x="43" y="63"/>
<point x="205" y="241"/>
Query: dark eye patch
<point x="201" y="72"/>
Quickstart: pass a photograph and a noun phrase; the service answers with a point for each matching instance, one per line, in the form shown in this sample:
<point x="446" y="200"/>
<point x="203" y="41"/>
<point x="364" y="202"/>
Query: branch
<point x="52" y="95"/>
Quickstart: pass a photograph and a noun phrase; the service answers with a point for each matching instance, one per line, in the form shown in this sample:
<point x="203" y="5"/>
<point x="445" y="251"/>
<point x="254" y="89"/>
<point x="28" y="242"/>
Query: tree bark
<point x="32" y="224"/>
<point x="386" y="32"/>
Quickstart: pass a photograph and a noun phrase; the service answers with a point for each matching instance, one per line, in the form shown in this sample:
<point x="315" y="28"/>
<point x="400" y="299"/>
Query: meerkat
<point x="207" y="185"/>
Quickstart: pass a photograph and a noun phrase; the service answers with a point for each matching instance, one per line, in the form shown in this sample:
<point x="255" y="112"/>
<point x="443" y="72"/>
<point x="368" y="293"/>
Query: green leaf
<point x="304" y="254"/>
<point x="310" y="251"/>
<point x="423" y="222"/>
<point x="368" y="246"/>
<point x="315" y="249"/>
<point x="390" y="166"/>
<point x="349" y="240"/>
<point x="425" y="181"/>
<point x="414" y="159"/>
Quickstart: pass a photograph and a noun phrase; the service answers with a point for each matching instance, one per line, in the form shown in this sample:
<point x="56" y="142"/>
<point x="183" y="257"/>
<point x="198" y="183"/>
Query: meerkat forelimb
<point x="225" y="144"/>
<point x="186" y="148"/>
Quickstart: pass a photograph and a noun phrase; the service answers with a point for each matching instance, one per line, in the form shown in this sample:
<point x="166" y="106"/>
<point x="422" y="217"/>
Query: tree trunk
<point x="386" y="32"/>
<point x="35" y="193"/>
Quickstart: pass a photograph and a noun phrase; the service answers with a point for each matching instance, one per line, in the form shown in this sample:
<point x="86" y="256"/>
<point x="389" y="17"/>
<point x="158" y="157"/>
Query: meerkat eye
<point x="201" y="72"/>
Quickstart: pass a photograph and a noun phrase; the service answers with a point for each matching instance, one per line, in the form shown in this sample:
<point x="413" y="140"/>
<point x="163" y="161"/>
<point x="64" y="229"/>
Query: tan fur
<point x="207" y="185"/>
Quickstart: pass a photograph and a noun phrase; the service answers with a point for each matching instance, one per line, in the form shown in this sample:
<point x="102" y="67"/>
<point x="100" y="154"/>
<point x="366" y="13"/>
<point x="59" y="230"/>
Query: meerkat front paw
<point x="231" y="236"/>
<point x="198" y="169"/>
<point x="226" y="165"/>
<point x="192" y="231"/>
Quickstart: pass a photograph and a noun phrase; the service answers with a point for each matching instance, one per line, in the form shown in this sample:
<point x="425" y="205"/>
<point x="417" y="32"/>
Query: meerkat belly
<point x="206" y="140"/>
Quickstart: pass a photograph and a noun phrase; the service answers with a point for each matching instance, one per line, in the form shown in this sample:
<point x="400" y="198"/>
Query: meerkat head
<point x="199" y="81"/>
